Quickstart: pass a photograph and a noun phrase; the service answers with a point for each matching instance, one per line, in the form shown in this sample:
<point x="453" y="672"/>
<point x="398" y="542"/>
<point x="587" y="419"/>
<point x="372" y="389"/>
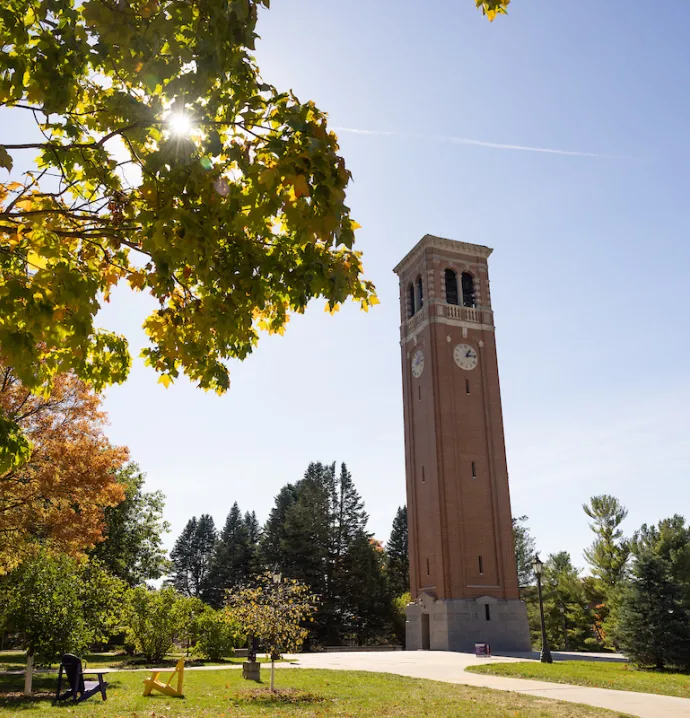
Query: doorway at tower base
<point x="457" y="624"/>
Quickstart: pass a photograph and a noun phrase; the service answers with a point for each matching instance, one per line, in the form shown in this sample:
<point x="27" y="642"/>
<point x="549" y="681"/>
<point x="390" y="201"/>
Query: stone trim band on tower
<point x="463" y="576"/>
<point x="430" y="240"/>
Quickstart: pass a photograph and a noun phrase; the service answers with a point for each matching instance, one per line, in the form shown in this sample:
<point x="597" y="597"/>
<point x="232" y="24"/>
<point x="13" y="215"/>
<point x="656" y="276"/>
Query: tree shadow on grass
<point x="278" y="697"/>
<point x="12" y="692"/>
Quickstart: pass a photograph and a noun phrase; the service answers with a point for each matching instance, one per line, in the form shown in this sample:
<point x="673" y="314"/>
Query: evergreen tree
<point x="366" y="598"/>
<point x="316" y="533"/>
<point x="654" y="625"/>
<point x="307" y="539"/>
<point x="270" y="549"/>
<point x="525" y="548"/>
<point x="191" y="556"/>
<point x="569" y="619"/>
<point x="348" y="515"/>
<point x="254" y="533"/>
<point x="669" y="539"/>
<point x="608" y="555"/>
<point x="253" y="527"/>
<point x="232" y="557"/>
<point x="397" y="554"/>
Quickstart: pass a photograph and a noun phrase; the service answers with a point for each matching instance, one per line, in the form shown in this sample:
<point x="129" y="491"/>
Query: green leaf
<point x="5" y="159"/>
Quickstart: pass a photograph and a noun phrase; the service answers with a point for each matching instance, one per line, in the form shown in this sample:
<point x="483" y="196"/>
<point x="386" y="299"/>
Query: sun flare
<point x="180" y="124"/>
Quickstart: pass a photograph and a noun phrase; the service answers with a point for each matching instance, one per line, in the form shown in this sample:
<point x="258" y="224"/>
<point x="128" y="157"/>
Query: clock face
<point x="465" y="356"/>
<point x="417" y="363"/>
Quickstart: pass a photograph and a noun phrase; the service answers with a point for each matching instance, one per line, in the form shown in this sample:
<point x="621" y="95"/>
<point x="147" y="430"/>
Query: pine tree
<point x="608" y="555"/>
<point x="316" y="533"/>
<point x="569" y="619"/>
<point x="397" y="554"/>
<point x="349" y="517"/>
<point x="654" y="626"/>
<point x="253" y="527"/>
<point x="232" y="557"/>
<point x="307" y="537"/>
<point x="270" y="549"/>
<point x="669" y="539"/>
<point x="191" y="556"/>
<point x="366" y="597"/>
<point x="254" y="535"/>
<point x="348" y="521"/>
<point x="181" y="557"/>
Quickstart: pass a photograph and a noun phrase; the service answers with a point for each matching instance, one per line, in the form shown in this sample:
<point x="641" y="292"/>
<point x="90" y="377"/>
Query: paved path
<point x="450" y="668"/>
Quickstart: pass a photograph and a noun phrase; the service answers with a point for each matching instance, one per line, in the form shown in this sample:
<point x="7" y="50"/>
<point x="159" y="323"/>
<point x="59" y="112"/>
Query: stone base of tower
<point x="457" y="624"/>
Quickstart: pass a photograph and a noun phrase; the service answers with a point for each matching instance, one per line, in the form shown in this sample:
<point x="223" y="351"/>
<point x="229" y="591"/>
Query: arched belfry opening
<point x="468" y="298"/>
<point x="410" y="299"/>
<point x="451" y="287"/>
<point x="420" y="293"/>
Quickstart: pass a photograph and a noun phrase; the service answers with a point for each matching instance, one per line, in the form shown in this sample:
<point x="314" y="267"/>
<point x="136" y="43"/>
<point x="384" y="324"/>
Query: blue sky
<point x="589" y="280"/>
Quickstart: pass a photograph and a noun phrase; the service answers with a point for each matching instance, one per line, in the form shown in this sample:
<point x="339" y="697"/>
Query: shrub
<point x="216" y="636"/>
<point x="152" y="621"/>
<point x="58" y="604"/>
<point x="399" y="616"/>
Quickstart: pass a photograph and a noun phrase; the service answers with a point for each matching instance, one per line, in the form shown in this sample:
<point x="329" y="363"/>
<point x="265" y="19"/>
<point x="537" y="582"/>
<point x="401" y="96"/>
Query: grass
<point x="302" y="694"/>
<point x="600" y="674"/>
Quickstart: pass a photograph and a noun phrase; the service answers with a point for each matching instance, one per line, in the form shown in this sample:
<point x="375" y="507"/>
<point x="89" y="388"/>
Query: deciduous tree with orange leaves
<point x="58" y="496"/>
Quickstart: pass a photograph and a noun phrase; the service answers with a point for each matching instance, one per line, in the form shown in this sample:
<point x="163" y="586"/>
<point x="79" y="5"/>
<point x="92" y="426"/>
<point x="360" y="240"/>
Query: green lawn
<point x="601" y="674"/>
<point x="16" y="661"/>
<point x="308" y="693"/>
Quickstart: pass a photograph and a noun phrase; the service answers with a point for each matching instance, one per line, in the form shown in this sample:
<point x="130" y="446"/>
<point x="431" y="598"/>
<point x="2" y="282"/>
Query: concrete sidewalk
<point x="450" y="668"/>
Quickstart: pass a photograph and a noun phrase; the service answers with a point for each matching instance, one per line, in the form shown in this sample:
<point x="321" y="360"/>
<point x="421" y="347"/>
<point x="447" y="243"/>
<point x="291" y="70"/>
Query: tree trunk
<point x="273" y="675"/>
<point x="28" y="674"/>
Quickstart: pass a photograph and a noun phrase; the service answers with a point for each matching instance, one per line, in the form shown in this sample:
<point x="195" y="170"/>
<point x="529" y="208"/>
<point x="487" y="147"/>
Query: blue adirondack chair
<point x="79" y="689"/>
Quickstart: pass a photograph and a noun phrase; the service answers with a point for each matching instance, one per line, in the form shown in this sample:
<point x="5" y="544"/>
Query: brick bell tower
<point x="463" y="575"/>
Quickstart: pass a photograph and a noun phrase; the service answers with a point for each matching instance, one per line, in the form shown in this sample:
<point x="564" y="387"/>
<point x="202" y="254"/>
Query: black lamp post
<point x="545" y="655"/>
<point x="276" y="576"/>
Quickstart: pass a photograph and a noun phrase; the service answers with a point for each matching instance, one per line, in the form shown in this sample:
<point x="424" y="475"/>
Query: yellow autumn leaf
<point x="355" y="225"/>
<point x="35" y="261"/>
<point x="165" y="380"/>
<point x="301" y="185"/>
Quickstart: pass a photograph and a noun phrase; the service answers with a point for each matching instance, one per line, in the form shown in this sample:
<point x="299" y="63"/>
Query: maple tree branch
<point x="75" y="145"/>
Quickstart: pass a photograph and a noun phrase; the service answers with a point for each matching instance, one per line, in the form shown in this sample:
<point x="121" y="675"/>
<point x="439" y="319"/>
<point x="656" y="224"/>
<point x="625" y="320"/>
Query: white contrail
<point x="477" y="143"/>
